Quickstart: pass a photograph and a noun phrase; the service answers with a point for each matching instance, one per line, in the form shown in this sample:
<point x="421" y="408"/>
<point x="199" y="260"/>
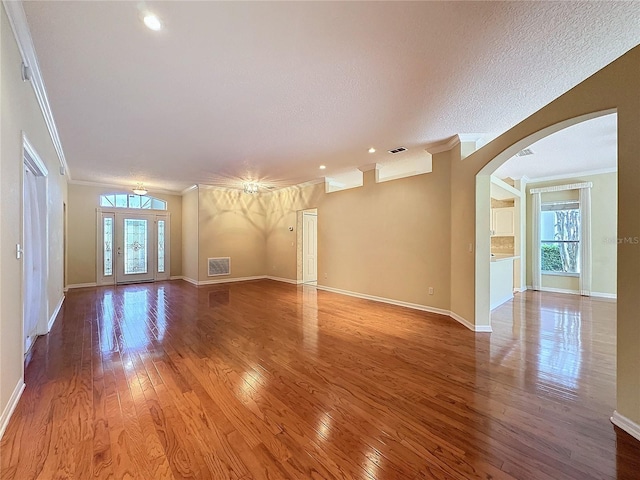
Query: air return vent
<point x="219" y="266"/>
<point x="524" y="153"/>
<point x="397" y="150"/>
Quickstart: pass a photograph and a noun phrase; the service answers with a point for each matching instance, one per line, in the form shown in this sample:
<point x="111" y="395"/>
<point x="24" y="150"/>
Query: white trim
<point x="229" y="280"/>
<point x="415" y="306"/>
<point x="444" y="146"/>
<point x="220" y="280"/>
<point x="11" y="406"/>
<point x="561" y="188"/>
<point x="20" y="27"/>
<point x="315" y="181"/>
<point x="505" y="186"/>
<point x="188" y="189"/>
<point x="604" y="295"/>
<point x="82" y="285"/>
<point x="285" y="280"/>
<point x="32" y="157"/>
<point x="554" y="290"/>
<point x="176" y="277"/>
<point x="54" y="315"/>
<point x="469" y="325"/>
<point x="629" y="426"/>
<point x="565" y="176"/>
<point x="480" y="140"/>
<point x="559" y="274"/>
<point x="520" y="290"/>
<point x="573" y="292"/>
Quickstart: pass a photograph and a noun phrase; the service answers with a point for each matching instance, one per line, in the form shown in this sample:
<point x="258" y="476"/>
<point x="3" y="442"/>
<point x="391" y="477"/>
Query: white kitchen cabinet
<point x="502" y="221"/>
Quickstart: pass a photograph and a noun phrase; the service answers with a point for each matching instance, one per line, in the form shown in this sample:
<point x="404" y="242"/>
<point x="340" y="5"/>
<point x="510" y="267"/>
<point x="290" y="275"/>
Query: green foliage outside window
<point x="551" y="258"/>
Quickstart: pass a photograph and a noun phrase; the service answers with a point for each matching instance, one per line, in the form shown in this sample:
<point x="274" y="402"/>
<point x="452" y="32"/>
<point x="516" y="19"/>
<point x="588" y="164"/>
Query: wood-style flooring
<point x="266" y="380"/>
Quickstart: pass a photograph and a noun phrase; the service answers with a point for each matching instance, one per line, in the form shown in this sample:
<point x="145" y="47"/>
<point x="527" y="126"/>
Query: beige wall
<point x="614" y="87"/>
<point x="604" y="214"/>
<point x="82" y="228"/>
<point x="20" y="112"/>
<point x="231" y="224"/>
<point x="387" y="239"/>
<point x="190" y="235"/>
<point x="281" y="209"/>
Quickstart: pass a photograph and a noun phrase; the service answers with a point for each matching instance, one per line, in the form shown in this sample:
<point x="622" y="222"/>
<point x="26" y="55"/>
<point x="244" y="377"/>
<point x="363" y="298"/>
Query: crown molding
<point x="188" y="189"/>
<point x="565" y="176"/>
<point x="125" y="188"/>
<point x="443" y="146"/>
<point x="315" y="181"/>
<point x="480" y="139"/>
<point x="20" y="27"/>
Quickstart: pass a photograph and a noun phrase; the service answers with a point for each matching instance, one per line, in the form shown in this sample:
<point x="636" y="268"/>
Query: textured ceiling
<point x="586" y="147"/>
<point x="269" y="91"/>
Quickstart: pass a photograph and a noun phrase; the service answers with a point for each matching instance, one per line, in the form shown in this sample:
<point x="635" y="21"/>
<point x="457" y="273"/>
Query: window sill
<point x="561" y="274"/>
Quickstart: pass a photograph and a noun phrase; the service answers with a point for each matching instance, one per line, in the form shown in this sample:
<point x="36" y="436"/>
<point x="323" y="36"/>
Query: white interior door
<point x="34" y="250"/>
<point x="309" y="247"/>
<point x="135" y="248"/>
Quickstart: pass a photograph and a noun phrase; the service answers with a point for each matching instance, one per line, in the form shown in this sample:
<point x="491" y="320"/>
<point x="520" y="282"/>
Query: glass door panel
<point x="135" y="256"/>
<point x="107" y="246"/>
<point x="161" y="246"/>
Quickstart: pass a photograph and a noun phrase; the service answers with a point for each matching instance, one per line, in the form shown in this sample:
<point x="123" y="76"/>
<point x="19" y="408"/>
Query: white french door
<point x="133" y="247"/>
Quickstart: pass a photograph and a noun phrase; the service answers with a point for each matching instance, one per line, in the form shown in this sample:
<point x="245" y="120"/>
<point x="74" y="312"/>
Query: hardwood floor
<point x="268" y="380"/>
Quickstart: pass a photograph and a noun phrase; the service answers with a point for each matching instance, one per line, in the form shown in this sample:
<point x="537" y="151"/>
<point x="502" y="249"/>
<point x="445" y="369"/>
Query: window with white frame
<point x="560" y="237"/>
<point x="128" y="200"/>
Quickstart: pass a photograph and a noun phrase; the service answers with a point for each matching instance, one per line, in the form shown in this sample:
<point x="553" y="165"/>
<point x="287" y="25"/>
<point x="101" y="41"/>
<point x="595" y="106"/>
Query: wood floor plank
<point x="265" y="380"/>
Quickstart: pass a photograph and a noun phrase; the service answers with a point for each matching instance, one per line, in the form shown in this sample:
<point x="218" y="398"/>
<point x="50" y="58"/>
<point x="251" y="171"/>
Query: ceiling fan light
<point x="250" y="188"/>
<point x="140" y="190"/>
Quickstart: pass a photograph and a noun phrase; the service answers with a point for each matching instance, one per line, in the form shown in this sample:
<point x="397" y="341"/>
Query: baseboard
<point x="81" y="285"/>
<point x="574" y="292"/>
<point x="504" y="299"/>
<point x="11" y="406"/>
<point x="520" y="290"/>
<point x="54" y="315"/>
<point x="176" y="277"/>
<point x="218" y="280"/>
<point x="415" y="306"/>
<point x="469" y="325"/>
<point x="285" y="280"/>
<point x="629" y="426"/>
<point x="604" y="295"/>
<point x="229" y="280"/>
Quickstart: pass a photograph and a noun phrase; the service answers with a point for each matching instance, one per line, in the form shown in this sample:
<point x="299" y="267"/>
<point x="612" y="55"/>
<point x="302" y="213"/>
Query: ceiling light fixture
<point x="372" y="150"/>
<point x="152" y="22"/>
<point x="140" y="190"/>
<point x="250" y="188"/>
<point x="322" y="167"/>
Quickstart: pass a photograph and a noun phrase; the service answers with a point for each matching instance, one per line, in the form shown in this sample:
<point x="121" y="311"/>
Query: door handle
<point x="119" y="251"/>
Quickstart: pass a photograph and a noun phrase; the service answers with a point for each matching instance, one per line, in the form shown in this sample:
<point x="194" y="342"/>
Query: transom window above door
<point x="128" y="200"/>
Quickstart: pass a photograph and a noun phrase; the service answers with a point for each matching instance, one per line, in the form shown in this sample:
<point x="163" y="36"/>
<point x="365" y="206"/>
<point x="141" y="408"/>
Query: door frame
<point x="309" y="213"/>
<point x="32" y="161"/>
<point x="102" y="212"/>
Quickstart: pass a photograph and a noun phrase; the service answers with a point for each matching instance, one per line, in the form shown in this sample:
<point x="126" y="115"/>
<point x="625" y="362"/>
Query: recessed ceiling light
<point x="372" y="150"/>
<point x="152" y="22"/>
<point x="322" y="167"/>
